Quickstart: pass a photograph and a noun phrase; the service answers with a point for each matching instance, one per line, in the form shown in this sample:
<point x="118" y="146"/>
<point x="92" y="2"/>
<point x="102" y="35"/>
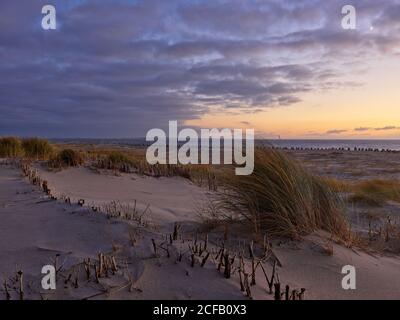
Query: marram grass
<point x="10" y="147"/>
<point x="283" y="198"/>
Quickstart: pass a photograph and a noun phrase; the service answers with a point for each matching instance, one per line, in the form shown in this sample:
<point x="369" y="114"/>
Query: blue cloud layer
<point x="118" y="68"/>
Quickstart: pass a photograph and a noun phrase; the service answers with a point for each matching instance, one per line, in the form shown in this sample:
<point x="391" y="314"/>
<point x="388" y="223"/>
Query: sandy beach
<point x="38" y="229"/>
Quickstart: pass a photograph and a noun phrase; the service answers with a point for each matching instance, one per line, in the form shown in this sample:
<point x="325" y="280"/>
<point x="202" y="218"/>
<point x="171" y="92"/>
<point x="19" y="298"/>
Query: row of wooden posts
<point x="199" y="251"/>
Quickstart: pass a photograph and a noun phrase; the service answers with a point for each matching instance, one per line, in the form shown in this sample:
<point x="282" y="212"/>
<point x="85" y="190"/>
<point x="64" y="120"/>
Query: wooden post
<point x="227" y="262"/>
<point x="246" y="285"/>
<point x="176" y="231"/>
<point x="96" y="272"/>
<point x="8" y="296"/>
<point x="221" y="259"/>
<point x="287" y="290"/>
<point x="180" y="256"/>
<point x="192" y="263"/>
<point x="277" y="287"/>
<point x="87" y="267"/>
<point x="241" y="265"/>
<point x="302" y="293"/>
<point x="21" y="285"/>
<point x="253" y="268"/>
<point x="114" y="264"/>
<point x="154" y="247"/>
<point x="205" y="259"/>
<point x="101" y="264"/>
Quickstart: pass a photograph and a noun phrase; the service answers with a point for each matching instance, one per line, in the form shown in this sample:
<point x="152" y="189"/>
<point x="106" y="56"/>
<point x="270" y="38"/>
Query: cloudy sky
<point x="119" y="68"/>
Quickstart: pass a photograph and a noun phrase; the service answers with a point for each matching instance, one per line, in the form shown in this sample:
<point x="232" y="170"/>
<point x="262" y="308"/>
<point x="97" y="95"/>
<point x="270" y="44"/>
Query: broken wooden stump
<point x="277" y="287"/>
<point x="203" y="262"/>
<point x="21" y="285"/>
<point x="227" y="264"/>
<point x="154" y="247"/>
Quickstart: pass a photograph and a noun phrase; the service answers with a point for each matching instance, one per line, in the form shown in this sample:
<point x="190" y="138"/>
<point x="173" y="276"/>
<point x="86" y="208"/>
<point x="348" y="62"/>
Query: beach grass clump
<point x="283" y="198"/>
<point x="336" y="184"/>
<point x="67" y="158"/>
<point x="36" y="148"/>
<point x="116" y="160"/>
<point x="200" y="174"/>
<point x="375" y="192"/>
<point x="134" y="162"/>
<point x="10" y="147"/>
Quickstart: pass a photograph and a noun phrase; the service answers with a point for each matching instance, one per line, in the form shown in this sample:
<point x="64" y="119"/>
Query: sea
<point x="281" y="143"/>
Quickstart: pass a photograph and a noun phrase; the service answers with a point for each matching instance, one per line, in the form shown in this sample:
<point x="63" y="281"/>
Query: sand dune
<point x="171" y="199"/>
<point x="34" y="229"/>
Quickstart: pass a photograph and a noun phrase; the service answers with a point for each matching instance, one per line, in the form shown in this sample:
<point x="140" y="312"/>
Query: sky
<point x="115" y="69"/>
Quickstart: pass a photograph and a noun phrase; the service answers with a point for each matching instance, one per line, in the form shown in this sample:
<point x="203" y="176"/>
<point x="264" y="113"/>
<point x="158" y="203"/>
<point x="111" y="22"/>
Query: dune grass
<point x="281" y="197"/>
<point x="36" y="148"/>
<point x="114" y="160"/>
<point x="10" y="147"/>
<point x="336" y="184"/>
<point x="375" y="192"/>
<point x="135" y="162"/>
<point x="67" y="158"/>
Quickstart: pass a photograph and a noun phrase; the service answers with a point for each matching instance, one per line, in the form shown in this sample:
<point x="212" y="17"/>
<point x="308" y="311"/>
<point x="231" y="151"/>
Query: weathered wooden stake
<point x="277" y="287"/>
<point x="21" y="285"/>
<point x="287" y="292"/>
<point x="192" y="263"/>
<point x="154" y="247"/>
<point x="8" y="296"/>
<point x="227" y="262"/>
<point x="246" y="285"/>
<point x="302" y="293"/>
<point x="203" y="262"/>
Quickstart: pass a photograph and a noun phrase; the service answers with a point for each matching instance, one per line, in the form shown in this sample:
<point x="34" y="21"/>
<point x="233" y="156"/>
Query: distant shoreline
<point x="311" y="144"/>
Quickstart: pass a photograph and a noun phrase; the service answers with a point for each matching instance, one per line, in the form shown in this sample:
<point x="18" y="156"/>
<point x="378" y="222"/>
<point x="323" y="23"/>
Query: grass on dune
<point x="33" y="148"/>
<point x="126" y="161"/>
<point x="375" y="192"/>
<point x="67" y="158"/>
<point x="36" y="148"/>
<point x="336" y="184"/>
<point x="10" y="147"/>
<point x="283" y="198"/>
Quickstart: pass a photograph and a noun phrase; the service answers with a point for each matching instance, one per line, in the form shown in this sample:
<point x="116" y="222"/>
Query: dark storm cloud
<point x="118" y="68"/>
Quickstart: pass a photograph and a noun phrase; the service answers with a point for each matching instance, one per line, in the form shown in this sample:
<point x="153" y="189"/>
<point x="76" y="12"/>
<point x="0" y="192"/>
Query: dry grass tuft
<point x="284" y="199"/>
<point x="36" y="148"/>
<point x="375" y="192"/>
<point x="67" y="158"/>
<point x="10" y="147"/>
<point x="116" y="160"/>
<point x="336" y="184"/>
<point x="125" y="161"/>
